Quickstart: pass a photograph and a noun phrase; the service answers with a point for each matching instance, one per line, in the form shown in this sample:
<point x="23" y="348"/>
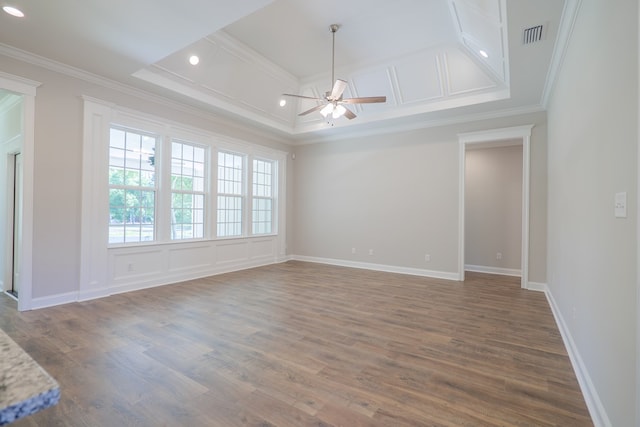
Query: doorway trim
<point x="27" y="88"/>
<point x="496" y="135"/>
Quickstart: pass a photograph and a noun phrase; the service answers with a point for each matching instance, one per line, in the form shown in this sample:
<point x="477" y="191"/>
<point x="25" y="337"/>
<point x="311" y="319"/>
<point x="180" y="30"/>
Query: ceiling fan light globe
<point x="338" y="111"/>
<point x="328" y="109"/>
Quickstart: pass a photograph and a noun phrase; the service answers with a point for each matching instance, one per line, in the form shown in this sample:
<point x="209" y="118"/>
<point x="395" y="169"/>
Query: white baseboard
<point x="380" y="267"/>
<point x="538" y="287"/>
<point x="493" y="270"/>
<point x="592" y="399"/>
<point x="52" y="300"/>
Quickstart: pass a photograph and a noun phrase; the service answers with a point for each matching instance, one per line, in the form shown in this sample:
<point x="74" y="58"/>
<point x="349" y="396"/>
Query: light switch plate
<point x="621" y="205"/>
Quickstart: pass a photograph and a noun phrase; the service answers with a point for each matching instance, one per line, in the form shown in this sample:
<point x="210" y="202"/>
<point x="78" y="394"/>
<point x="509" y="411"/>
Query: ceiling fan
<point x="334" y="101"/>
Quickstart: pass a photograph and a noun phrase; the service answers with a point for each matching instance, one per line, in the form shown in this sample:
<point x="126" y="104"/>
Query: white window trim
<point x="95" y="273"/>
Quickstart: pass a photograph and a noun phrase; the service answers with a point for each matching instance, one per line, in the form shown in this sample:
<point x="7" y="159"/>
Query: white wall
<point x="493" y="209"/>
<point x="397" y="194"/>
<point x="592" y="152"/>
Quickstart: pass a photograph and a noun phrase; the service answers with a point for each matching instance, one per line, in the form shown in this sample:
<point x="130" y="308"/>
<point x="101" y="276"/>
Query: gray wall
<point x="398" y="195"/>
<point x="493" y="207"/>
<point x="593" y="136"/>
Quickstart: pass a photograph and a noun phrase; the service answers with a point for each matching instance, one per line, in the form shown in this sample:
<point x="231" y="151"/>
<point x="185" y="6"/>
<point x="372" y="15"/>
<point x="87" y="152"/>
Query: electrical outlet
<point x="427" y="257"/>
<point x="353" y="250"/>
<point x="130" y="267"/>
<point x="370" y="251"/>
<point x="499" y="255"/>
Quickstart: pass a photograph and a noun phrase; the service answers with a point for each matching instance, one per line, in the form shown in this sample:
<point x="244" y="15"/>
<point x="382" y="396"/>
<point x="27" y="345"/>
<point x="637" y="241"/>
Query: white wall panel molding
<point x="133" y="267"/>
<point x="94" y="209"/>
<point x="463" y="75"/>
<point x="482" y="26"/>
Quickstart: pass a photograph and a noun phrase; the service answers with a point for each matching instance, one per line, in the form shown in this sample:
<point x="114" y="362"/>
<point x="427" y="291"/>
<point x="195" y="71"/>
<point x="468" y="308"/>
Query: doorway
<point x="11" y="137"/>
<point x="17" y="117"/>
<point x="493" y="208"/>
<point x="520" y="135"/>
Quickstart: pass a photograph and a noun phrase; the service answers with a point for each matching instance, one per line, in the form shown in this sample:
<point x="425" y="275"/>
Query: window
<point x="187" y="190"/>
<point x="160" y="191"/>
<point x="230" y="194"/>
<point x="262" y="212"/>
<point x="132" y="186"/>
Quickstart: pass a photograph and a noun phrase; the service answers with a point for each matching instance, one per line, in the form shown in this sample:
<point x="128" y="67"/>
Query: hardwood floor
<point x="300" y="344"/>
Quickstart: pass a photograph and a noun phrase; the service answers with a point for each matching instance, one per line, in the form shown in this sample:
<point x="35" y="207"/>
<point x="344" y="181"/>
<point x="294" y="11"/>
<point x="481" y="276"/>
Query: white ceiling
<point x="422" y="54"/>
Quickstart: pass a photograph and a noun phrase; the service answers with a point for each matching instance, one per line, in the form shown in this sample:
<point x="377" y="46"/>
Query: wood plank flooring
<point x="301" y="344"/>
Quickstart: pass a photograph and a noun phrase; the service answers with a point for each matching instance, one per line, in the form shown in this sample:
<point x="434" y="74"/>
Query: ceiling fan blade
<point x="349" y="114"/>
<point x="311" y="110"/>
<point x="338" y="87"/>
<point x="365" y="100"/>
<point x="303" y="97"/>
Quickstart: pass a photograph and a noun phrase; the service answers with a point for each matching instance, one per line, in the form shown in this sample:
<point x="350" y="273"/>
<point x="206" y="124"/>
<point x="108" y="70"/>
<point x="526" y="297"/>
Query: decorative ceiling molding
<point x="567" y="23"/>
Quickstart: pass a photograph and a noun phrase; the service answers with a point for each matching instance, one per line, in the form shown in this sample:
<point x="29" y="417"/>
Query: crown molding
<point x="244" y="52"/>
<point x="70" y="71"/>
<point x="427" y="124"/>
<point x="565" y="30"/>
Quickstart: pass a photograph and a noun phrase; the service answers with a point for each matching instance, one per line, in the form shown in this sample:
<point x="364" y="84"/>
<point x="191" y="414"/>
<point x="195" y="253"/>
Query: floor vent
<point x="532" y="34"/>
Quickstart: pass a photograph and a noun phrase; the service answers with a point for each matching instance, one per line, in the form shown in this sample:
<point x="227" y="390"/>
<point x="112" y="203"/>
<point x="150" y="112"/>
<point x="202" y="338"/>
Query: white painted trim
<point x="592" y="399"/>
<point x="53" y="300"/>
<point x="27" y="88"/>
<point x="151" y="282"/>
<point x="538" y="287"/>
<point x="565" y="30"/>
<point x="378" y="267"/>
<point x="287" y="136"/>
<point x="101" y="266"/>
<point x="493" y="270"/>
<point x="637" y="400"/>
<point x="491" y="135"/>
<point x="462" y="161"/>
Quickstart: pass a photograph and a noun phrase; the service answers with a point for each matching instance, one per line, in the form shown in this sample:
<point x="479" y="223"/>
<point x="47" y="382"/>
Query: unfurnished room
<point x="338" y="213"/>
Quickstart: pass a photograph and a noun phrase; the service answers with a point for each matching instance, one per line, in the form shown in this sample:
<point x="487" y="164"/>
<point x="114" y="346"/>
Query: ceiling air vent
<point x="532" y="34"/>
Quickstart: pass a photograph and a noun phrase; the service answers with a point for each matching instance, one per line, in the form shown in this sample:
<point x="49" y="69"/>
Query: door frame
<point x="495" y="135"/>
<point x="26" y="88"/>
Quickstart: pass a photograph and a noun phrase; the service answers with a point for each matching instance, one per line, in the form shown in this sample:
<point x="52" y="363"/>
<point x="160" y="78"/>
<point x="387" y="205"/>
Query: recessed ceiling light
<point x="13" y="11"/>
<point x="194" y="60"/>
<point x="283" y="102"/>
<point x="483" y="53"/>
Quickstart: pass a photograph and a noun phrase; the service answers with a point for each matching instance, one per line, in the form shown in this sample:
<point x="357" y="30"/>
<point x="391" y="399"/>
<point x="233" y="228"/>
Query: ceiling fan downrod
<point x="334" y="29"/>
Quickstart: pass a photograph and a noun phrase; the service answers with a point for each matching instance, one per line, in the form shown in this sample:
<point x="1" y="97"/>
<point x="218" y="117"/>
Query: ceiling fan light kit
<point x="333" y="99"/>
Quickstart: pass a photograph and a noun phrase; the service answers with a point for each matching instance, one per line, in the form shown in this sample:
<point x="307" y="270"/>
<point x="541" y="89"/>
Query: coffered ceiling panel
<point x="422" y="74"/>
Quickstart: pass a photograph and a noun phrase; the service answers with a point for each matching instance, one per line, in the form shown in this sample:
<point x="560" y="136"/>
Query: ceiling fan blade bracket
<point x="338" y="88"/>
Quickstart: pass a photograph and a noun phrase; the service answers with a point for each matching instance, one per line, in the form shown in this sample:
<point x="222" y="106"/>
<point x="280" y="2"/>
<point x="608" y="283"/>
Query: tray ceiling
<point x="423" y="55"/>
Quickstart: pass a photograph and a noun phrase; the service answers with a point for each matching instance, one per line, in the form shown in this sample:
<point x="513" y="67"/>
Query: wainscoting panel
<point x="137" y="263"/>
<point x="191" y="257"/>
<point x="134" y="268"/>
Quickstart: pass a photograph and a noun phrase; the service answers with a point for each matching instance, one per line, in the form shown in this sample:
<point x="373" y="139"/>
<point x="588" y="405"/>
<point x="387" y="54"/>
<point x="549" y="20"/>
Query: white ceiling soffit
<point x="247" y="74"/>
